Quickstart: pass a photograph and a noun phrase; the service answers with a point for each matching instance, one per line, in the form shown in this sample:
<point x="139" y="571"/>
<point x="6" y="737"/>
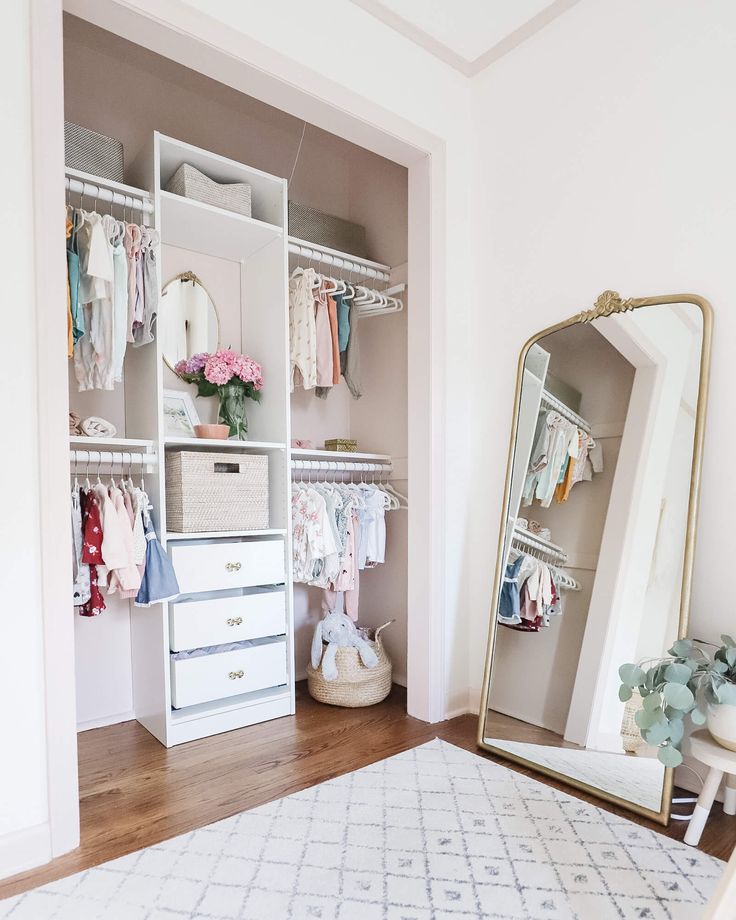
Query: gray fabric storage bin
<point x="326" y="230"/>
<point x="189" y="182"/>
<point x="94" y="153"/>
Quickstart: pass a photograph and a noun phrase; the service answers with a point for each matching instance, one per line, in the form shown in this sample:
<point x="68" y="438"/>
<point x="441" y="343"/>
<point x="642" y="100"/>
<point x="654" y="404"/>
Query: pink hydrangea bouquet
<point x="230" y="376"/>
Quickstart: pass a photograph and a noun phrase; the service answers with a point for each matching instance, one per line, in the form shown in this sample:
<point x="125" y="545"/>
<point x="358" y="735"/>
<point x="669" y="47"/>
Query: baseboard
<point x="105" y="720"/>
<point x="26" y="849"/>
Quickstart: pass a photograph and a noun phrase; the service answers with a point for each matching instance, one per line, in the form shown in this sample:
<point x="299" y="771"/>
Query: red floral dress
<point x="92" y="552"/>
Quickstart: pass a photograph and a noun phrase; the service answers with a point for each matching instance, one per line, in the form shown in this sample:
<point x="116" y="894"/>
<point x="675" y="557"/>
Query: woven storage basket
<point x="345" y="445"/>
<point x="216" y="491"/>
<point x="356" y="685"/>
<point x="191" y="183"/>
<point x="326" y="230"/>
<point x="630" y="734"/>
<point x="91" y="152"/>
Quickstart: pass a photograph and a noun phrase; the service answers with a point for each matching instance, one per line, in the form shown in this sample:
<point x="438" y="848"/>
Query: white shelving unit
<point x="220" y="568"/>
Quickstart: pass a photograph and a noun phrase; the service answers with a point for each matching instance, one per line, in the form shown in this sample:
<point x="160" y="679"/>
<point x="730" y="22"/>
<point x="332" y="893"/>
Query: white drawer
<point x="217" y="566"/>
<point x="226" y="619"/>
<point x="215" y="677"/>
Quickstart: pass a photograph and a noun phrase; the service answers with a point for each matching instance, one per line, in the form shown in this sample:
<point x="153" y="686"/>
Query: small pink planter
<point x="213" y="432"/>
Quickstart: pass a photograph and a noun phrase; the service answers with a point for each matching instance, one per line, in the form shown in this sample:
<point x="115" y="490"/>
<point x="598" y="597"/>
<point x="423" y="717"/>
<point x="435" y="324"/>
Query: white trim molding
<point x="25" y="849"/>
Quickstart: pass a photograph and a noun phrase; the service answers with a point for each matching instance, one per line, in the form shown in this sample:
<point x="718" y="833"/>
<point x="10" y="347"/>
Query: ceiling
<point x="466" y="34"/>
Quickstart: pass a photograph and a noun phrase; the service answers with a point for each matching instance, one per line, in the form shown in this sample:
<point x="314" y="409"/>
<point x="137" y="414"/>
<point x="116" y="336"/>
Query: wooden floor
<point x="135" y="793"/>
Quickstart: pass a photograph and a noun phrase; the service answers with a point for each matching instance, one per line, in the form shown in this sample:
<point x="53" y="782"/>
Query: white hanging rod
<point x="341" y="260"/>
<point x="100" y="189"/>
<point x="552" y="402"/>
<point x="341" y="466"/>
<point x="111" y="458"/>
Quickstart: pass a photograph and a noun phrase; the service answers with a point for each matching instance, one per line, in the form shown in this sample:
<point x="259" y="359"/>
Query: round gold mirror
<point x="188" y="321"/>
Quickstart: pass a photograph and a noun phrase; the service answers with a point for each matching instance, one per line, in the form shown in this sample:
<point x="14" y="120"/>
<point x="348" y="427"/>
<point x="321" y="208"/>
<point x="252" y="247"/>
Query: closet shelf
<point x="346" y="456"/>
<point x="210" y="443"/>
<point x="531" y="539"/>
<point x="219" y="233"/>
<point x="552" y="402"/>
<point x="355" y="265"/>
<point x="97" y="188"/>
<point x="108" y="444"/>
<point x="219" y="534"/>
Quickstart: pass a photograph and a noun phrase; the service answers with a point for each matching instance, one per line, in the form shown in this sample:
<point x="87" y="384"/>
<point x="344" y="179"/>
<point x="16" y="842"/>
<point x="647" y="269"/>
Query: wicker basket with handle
<point x="356" y="685"/>
<point x="210" y="491"/>
<point x="191" y="183"/>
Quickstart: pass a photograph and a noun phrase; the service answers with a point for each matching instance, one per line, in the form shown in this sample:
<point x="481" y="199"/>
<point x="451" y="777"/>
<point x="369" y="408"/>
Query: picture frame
<point x="180" y="414"/>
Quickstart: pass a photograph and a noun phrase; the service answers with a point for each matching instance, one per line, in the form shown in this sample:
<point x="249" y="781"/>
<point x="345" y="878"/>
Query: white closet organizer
<point x="235" y="587"/>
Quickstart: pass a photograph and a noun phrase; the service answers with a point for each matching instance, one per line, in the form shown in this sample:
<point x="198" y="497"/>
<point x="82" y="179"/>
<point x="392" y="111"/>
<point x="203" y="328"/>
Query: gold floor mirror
<point x="596" y="541"/>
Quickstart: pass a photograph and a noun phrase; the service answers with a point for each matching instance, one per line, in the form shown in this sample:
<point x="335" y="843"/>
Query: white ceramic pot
<point x="722" y="725"/>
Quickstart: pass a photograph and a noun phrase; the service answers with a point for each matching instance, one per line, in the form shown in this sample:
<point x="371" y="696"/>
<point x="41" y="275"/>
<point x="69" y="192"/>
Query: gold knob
<point x="234" y="621"/>
<point x="233" y="566"/>
<point x="236" y="674"/>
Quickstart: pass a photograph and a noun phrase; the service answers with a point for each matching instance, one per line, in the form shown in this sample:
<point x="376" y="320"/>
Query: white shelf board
<point x="214" y="443"/>
<point x="336" y="257"/>
<point x="268" y="192"/>
<point x="200" y="227"/>
<point x="129" y="190"/>
<point x="85" y="443"/>
<point x="219" y="534"/>
<point x="297" y="454"/>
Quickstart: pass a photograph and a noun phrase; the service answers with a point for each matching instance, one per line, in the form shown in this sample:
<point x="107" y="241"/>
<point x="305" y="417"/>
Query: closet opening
<point x="225" y="277"/>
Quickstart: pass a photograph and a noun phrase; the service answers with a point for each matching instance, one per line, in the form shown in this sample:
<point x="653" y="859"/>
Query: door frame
<point x="185" y="35"/>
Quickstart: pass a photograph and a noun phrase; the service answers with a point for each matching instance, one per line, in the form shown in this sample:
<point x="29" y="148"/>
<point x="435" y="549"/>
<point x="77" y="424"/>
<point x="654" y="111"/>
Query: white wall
<point x="605" y="158"/>
<point x="23" y="778"/>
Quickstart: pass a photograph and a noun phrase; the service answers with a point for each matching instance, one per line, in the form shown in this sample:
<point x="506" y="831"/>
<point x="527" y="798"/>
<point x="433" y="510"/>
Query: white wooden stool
<point x="720" y="760"/>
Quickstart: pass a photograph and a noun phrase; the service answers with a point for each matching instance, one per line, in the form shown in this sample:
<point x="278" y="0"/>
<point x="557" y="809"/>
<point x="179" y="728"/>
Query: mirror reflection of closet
<point x="596" y="547"/>
<point x="188" y="320"/>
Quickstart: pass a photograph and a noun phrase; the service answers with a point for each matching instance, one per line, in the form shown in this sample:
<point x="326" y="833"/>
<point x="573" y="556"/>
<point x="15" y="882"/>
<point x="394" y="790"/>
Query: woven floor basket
<point x="191" y="183"/>
<point x="356" y="685"/>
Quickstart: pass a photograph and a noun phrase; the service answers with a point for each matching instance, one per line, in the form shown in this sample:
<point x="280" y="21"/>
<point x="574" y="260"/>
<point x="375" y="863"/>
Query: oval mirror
<point x="188" y="320"/>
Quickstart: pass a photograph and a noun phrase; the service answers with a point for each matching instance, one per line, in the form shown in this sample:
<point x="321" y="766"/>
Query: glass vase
<point x="232" y="410"/>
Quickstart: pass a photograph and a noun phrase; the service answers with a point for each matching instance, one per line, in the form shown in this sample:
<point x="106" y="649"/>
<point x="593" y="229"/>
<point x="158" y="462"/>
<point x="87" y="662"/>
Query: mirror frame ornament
<point x="195" y="279"/>
<point x="608" y="303"/>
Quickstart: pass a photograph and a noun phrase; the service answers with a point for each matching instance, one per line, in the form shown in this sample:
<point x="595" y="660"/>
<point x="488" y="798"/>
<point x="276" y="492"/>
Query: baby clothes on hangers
<point x="324" y="339"/>
<point x="302" y="330"/>
<point x="119" y="300"/>
<point x="132" y="242"/>
<point x="143" y="332"/>
<point x="92" y="552"/>
<point x="81" y="590"/>
<point x="350" y="358"/>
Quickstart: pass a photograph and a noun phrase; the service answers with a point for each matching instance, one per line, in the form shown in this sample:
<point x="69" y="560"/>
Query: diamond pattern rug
<point x="435" y="833"/>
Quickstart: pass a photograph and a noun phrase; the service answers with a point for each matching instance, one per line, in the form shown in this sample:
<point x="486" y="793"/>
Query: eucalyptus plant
<point x="684" y="684"/>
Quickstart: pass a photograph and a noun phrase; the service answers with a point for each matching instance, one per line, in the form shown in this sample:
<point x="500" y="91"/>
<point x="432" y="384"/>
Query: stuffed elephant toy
<point x="338" y="631"/>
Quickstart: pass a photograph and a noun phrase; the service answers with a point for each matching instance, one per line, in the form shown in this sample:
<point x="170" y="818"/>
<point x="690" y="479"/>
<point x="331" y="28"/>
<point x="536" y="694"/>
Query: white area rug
<point x="435" y="833"/>
<point x="637" y="779"/>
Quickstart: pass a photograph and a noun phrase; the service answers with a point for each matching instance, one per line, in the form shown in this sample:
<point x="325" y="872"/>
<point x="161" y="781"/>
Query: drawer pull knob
<point x="233" y="566"/>
<point x="233" y="675"/>
<point x="234" y="621"/>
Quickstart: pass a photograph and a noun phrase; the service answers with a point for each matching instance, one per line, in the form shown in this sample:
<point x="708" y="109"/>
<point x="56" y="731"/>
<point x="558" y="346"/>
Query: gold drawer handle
<point x="234" y="621"/>
<point x="236" y="674"/>
<point x="233" y="566"/>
